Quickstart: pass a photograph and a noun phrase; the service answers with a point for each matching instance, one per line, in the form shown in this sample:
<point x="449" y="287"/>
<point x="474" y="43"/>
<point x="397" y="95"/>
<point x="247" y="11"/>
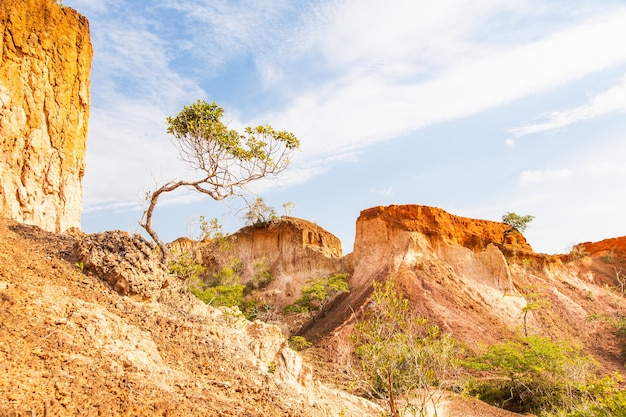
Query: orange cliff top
<point x="439" y="224"/>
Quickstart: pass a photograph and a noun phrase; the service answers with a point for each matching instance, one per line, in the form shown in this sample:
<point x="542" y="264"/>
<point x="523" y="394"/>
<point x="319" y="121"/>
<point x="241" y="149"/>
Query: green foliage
<point x="299" y="343"/>
<point x="317" y="292"/>
<point x="516" y="221"/>
<point x="185" y="266"/>
<point x="260" y="214"/>
<point x="213" y="230"/>
<point x="403" y="354"/>
<point x="200" y="123"/>
<point x="221" y="295"/>
<point x="230" y="274"/>
<point x="225" y="160"/>
<point x="533" y="374"/>
<point x="262" y="276"/>
<point x="534" y="301"/>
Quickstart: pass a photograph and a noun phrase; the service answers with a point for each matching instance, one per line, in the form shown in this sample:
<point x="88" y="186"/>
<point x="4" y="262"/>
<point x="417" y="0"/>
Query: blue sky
<point x="478" y="108"/>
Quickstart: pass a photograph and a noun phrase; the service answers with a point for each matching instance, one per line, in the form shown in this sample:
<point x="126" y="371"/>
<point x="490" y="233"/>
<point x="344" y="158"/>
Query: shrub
<point x="221" y="295"/>
<point x="578" y="251"/>
<point x="532" y="374"/>
<point x="299" y="343"/>
<point x="317" y="292"/>
<point x="185" y="266"/>
<point x="403" y="354"/>
<point x="262" y="276"/>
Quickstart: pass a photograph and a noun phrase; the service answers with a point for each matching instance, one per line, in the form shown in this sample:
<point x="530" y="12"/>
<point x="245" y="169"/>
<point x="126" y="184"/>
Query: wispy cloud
<point x="342" y="75"/>
<point x="542" y="176"/>
<point x="364" y="104"/>
<point x="386" y="191"/>
<point x="611" y="101"/>
<point x="606" y="169"/>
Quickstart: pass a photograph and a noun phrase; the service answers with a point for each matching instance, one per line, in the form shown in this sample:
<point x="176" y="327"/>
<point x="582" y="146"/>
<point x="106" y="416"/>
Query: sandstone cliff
<point x="457" y="272"/>
<point x="293" y="251"/>
<point x="45" y="63"/>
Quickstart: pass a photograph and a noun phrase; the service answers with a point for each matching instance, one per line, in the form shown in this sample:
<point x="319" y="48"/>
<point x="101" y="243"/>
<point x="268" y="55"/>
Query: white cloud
<point x="606" y="169"/>
<point x="386" y="191"/>
<point x="541" y="176"/>
<point x="365" y="104"/>
<point x="359" y="73"/>
<point x="611" y="101"/>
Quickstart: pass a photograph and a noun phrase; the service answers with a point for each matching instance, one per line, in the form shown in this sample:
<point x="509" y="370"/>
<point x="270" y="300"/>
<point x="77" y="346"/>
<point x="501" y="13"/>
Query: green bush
<point x="299" y="343"/>
<point x="402" y="354"/>
<point x="185" y="266"/>
<point x="532" y="374"/>
<point x="262" y="276"/>
<point x="221" y="295"/>
<point x="317" y="292"/>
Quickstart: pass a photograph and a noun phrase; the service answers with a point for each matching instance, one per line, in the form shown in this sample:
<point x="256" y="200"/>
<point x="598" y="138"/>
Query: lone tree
<point x="516" y="222"/>
<point x="225" y="159"/>
<point x="405" y="359"/>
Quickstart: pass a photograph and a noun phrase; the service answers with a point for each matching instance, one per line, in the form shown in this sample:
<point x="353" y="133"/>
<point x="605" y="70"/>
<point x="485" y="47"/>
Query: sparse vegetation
<point x="299" y="343"/>
<point x="517" y="223"/>
<point x="260" y="214"/>
<point x="186" y="267"/>
<point x="262" y="276"/>
<point x="534" y="374"/>
<point x="608" y="258"/>
<point x="405" y="359"/>
<point x="317" y="292"/>
<point x="578" y="252"/>
<point x="534" y="301"/>
<point x="226" y="160"/>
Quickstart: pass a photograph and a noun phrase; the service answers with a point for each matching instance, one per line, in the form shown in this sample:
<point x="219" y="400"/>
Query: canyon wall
<point x="458" y="273"/>
<point x="45" y="64"/>
<point x="293" y="251"/>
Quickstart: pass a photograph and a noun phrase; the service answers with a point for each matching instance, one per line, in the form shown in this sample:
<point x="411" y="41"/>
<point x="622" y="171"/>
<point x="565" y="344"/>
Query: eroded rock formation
<point x="457" y="272"/>
<point x="74" y="344"/>
<point x="293" y="251"/>
<point x="45" y="64"/>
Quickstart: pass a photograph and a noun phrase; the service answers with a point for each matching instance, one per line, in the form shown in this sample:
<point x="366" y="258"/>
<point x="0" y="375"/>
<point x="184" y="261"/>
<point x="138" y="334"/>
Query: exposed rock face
<point x="45" y="64"/>
<point x="126" y="262"/>
<point x="455" y="272"/>
<point x="293" y="250"/>
<point x="69" y="345"/>
<point x="438" y="226"/>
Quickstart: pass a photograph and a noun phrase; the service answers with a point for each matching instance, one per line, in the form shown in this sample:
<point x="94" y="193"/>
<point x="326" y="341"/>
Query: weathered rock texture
<point x="293" y="250"/>
<point x="70" y="345"/>
<point x="45" y="64"/>
<point x="458" y="273"/>
<point x="127" y="263"/>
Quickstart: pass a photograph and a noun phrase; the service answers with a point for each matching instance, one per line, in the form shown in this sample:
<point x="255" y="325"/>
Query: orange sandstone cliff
<point x="459" y="274"/>
<point x="293" y="250"/>
<point x="45" y="64"/>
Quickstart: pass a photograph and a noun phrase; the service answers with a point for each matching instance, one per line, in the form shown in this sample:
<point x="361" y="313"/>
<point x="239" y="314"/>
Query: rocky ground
<point x="82" y="333"/>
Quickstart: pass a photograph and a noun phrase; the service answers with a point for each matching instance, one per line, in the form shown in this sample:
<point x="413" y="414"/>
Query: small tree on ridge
<point x="517" y="223"/>
<point x="225" y="159"/>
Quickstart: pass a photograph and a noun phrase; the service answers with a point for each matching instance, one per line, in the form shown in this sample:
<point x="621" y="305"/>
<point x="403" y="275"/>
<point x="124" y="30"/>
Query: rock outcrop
<point x="45" y="64"/>
<point x="72" y="344"/>
<point x="293" y="251"/>
<point x="458" y="273"/>
<point x="127" y="263"/>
